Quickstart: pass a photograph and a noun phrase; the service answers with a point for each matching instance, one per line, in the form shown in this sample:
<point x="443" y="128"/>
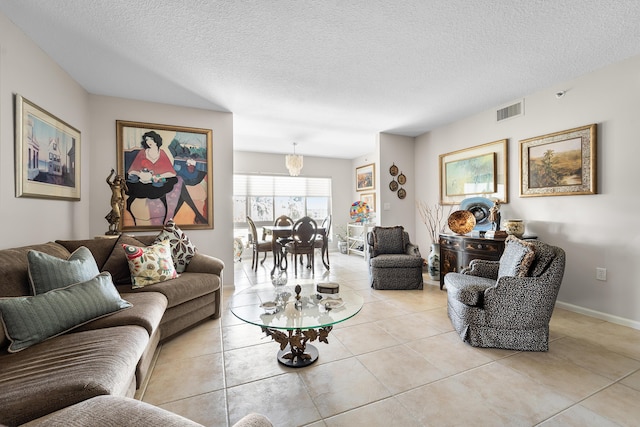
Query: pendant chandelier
<point x="294" y="162"/>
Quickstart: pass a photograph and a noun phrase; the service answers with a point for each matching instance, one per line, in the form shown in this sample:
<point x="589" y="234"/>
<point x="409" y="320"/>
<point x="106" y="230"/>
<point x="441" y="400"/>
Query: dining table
<point x="278" y="231"/>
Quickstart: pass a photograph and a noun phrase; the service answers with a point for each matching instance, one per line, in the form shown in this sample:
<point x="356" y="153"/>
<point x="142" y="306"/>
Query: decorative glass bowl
<point x="279" y="278"/>
<point x="360" y="211"/>
<point x="461" y="222"/>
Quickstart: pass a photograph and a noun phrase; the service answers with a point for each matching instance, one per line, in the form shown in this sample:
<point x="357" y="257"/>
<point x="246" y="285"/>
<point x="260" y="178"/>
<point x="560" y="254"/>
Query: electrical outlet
<point x="601" y="274"/>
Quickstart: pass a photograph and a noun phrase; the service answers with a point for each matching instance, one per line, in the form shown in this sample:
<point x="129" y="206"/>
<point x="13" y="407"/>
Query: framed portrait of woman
<point x="168" y="172"/>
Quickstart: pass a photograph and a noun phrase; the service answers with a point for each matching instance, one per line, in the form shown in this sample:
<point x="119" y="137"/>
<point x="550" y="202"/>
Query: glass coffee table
<point x="294" y="315"/>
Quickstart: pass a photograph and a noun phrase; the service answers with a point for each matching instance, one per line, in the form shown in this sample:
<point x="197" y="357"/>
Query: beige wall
<point x="104" y="113"/>
<point x="595" y="230"/>
<point x="398" y="150"/>
<point x="27" y="70"/>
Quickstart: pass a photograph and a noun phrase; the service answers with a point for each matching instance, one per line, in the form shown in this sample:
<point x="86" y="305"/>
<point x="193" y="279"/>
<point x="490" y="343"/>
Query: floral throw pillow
<point x="150" y="264"/>
<point x="182" y="250"/>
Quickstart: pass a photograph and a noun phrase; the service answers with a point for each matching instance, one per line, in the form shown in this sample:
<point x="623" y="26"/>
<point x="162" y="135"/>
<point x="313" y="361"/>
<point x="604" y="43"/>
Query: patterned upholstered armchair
<point x="394" y="263"/>
<point x="507" y="303"/>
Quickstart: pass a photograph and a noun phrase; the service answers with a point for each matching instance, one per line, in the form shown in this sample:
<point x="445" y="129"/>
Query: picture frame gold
<point x="173" y="182"/>
<point x="47" y="154"/>
<point x="369" y="199"/>
<point x="498" y="150"/>
<point x="366" y="177"/>
<point x="559" y="164"/>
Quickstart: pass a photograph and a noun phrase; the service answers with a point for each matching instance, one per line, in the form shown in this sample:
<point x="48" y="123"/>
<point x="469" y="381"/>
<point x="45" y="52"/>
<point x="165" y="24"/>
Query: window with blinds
<point x="266" y="197"/>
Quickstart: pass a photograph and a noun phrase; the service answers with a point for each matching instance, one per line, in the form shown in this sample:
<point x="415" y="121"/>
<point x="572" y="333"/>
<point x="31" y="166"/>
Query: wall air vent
<point x="510" y="111"/>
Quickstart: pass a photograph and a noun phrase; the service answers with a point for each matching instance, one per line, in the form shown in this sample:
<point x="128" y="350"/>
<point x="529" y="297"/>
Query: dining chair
<point x="303" y="238"/>
<point x="322" y="240"/>
<point x="281" y="242"/>
<point x="257" y="245"/>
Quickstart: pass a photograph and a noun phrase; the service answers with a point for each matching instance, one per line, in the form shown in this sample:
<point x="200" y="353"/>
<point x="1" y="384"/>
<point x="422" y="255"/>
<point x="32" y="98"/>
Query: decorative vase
<point x="433" y="261"/>
<point x="515" y="227"/>
<point x="342" y="247"/>
<point x="279" y="278"/>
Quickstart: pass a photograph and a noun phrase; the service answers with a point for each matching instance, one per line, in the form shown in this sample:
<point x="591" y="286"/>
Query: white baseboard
<point x="599" y="315"/>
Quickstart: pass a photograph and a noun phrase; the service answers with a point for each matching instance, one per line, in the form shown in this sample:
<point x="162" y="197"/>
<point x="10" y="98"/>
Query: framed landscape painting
<point x="473" y="175"/>
<point x="169" y="175"/>
<point x="476" y="171"/>
<point x="559" y="164"/>
<point x="47" y="159"/>
<point x="365" y="177"/>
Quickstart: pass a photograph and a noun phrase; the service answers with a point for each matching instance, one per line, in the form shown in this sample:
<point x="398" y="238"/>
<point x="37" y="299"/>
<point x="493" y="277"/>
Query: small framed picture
<point x="559" y="164"/>
<point x="369" y="199"/>
<point x="47" y="154"/>
<point x="365" y="177"/>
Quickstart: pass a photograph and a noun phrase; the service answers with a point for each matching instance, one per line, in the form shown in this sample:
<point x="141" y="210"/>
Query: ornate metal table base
<point x="294" y="350"/>
<point x="299" y="360"/>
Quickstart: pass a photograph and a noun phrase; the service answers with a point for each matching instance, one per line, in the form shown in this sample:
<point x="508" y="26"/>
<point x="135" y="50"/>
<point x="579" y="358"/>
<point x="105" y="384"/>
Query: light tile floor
<point x="398" y="363"/>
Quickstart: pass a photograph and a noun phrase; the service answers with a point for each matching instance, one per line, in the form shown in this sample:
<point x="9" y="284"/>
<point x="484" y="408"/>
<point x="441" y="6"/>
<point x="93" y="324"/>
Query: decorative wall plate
<point x="393" y="170"/>
<point x="402" y="193"/>
<point x="393" y="185"/>
<point x="461" y="222"/>
<point x="402" y="180"/>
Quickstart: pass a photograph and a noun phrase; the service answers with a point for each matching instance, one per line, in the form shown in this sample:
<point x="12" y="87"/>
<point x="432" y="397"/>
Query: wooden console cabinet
<point x="456" y="252"/>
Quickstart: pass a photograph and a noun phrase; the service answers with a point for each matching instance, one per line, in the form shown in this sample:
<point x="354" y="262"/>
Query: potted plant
<point x="341" y="235"/>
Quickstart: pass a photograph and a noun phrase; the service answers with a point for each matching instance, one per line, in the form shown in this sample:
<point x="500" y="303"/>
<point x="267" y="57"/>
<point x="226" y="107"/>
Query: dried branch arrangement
<point x="432" y="217"/>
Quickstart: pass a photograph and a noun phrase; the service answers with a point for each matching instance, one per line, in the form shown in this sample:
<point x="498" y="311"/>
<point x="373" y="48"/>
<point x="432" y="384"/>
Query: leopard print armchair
<point x="511" y="310"/>
<point x="394" y="262"/>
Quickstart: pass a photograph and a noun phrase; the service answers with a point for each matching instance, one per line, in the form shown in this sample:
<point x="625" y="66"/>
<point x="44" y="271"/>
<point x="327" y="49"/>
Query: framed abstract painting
<point x="169" y="175"/>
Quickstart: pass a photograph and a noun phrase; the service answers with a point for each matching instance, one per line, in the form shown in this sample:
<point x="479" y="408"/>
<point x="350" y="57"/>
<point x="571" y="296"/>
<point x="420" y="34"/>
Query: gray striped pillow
<point x="33" y="319"/>
<point x="47" y="272"/>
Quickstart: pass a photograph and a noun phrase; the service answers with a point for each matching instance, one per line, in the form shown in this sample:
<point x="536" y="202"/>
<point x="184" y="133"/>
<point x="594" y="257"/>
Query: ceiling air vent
<point x="510" y="111"/>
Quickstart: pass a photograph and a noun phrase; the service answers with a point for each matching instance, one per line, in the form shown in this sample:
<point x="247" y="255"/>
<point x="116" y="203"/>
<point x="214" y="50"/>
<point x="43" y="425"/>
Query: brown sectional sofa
<point x="108" y="356"/>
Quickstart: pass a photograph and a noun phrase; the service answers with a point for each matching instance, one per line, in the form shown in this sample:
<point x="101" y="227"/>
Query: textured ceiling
<point x="329" y="75"/>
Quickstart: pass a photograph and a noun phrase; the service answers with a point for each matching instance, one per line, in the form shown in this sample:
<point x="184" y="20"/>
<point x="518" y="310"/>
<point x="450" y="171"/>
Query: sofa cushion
<point x="69" y="369"/>
<point x="147" y="309"/>
<point x="117" y="263"/>
<point x="33" y="319"/>
<point x="185" y="287"/>
<point x="516" y="258"/>
<point x="100" y="247"/>
<point x="467" y="289"/>
<point x="150" y="264"/>
<point x="47" y="272"/>
<point x="388" y="240"/>
<point x="182" y="250"/>
<point x="14" y="273"/>
<point x="396" y="261"/>
<point x="14" y="267"/>
<point x="107" y="411"/>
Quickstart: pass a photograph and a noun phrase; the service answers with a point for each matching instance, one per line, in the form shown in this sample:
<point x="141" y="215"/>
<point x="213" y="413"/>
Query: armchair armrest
<point x="413" y="250"/>
<point x="482" y="268"/>
<point x="201" y="263"/>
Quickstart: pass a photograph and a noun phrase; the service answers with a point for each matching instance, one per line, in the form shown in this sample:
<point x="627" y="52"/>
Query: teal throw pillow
<point x="33" y="319"/>
<point x="47" y="272"/>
